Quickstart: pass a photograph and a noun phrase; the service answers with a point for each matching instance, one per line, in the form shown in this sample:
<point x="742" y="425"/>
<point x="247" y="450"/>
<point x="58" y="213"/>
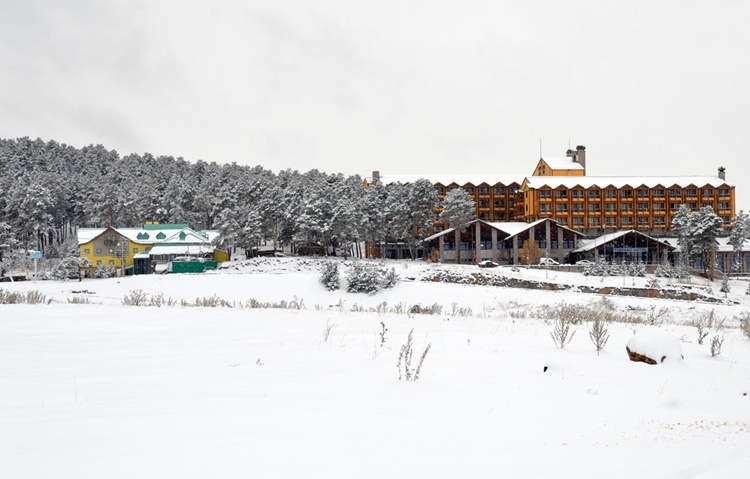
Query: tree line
<point x="49" y="189"/>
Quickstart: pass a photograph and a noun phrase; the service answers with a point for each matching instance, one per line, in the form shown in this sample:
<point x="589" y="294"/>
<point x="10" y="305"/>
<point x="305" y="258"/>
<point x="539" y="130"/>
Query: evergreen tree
<point x="681" y="226"/>
<point x="738" y="236"/>
<point x="458" y="212"/>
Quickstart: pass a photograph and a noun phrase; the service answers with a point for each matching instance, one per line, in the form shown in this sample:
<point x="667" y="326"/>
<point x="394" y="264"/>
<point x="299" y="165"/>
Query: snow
<point x="107" y="390"/>
<point x="461" y="179"/>
<point x="562" y="163"/>
<point x="656" y="344"/>
<point x="622" y="181"/>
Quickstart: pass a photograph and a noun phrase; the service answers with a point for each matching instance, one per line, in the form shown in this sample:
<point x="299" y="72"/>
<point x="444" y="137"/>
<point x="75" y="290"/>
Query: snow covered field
<point x="107" y="390"/>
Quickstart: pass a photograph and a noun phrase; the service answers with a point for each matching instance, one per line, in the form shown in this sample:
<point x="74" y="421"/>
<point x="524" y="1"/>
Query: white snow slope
<point x="104" y="390"/>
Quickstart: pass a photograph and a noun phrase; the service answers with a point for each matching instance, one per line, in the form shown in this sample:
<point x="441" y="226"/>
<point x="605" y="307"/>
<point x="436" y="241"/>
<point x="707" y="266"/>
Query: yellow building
<point x="138" y="250"/>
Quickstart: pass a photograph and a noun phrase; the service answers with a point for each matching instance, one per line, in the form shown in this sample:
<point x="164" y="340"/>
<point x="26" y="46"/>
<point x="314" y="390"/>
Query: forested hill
<point x="49" y="189"/>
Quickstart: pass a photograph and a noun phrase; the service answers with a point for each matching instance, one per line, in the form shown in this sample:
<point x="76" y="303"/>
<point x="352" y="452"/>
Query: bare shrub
<point x="599" y="334"/>
<point x="704" y="324"/>
<point x="78" y="300"/>
<point x="35" y="297"/>
<point x="716" y="341"/>
<point x="327" y="330"/>
<point x="657" y="316"/>
<point x="405" y="369"/>
<point x="744" y="319"/>
<point x="135" y="297"/>
<point x="383" y="330"/>
<point x="564" y="316"/>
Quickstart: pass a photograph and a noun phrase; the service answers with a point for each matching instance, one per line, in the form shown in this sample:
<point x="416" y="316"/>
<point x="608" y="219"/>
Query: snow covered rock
<point x="652" y="345"/>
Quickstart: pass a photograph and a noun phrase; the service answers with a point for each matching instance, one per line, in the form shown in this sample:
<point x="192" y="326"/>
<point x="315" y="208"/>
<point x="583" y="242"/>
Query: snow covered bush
<point x="716" y="342"/>
<point x="744" y="319"/>
<point x="363" y="278"/>
<point x="669" y="271"/>
<point x="70" y="268"/>
<point x="330" y="276"/>
<point x="105" y="271"/>
<point x="390" y="278"/>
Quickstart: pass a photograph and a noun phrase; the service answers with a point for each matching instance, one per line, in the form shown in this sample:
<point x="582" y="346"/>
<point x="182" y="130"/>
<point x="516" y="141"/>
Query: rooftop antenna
<point x="540" y="148"/>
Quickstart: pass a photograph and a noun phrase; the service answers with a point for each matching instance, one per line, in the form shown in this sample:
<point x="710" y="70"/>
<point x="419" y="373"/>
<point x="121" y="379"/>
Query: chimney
<point x="723" y="173"/>
<point x="375" y="175"/>
<point x="571" y="154"/>
<point x="581" y="156"/>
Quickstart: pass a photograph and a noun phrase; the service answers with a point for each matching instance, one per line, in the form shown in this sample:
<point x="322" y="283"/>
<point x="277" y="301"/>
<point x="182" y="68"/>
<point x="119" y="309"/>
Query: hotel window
<point x="562" y="207"/>
<point x="110" y="240"/>
<point x="674" y="206"/>
<point x="98" y="251"/>
<point x="99" y="263"/>
<point x="594" y="222"/>
<point x="723" y="206"/>
<point x="561" y="194"/>
<point x="610" y="221"/>
<point x="577" y="221"/>
<point x="593" y="194"/>
<point x="691" y="192"/>
<point x="577" y="193"/>
<point x="643" y="221"/>
<point x="595" y="207"/>
<point x="610" y="193"/>
<point x="563" y="220"/>
<point x="659" y="192"/>
<point x="499" y="216"/>
<point x="626" y="207"/>
<point x="658" y="220"/>
<point x="499" y="190"/>
<point x="642" y="193"/>
<point x="440" y="190"/>
<point x="87" y="251"/>
<point x="545" y="193"/>
<point x="723" y="192"/>
<point x="627" y="220"/>
<point x="484" y="203"/>
<point x="674" y="192"/>
<point x="511" y="203"/>
<point x="484" y="190"/>
<point x="577" y="206"/>
<point x="642" y="206"/>
<point x="658" y="206"/>
<point x="499" y="203"/>
<point x="469" y="190"/>
<point x="708" y="192"/>
<point x="546" y="208"/>
<point x="703" y="205"/>
<point x="609" y="207"/>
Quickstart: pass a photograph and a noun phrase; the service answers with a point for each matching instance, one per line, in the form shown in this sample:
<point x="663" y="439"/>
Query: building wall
<point x="103" y="250"/>
<point x="497" y="202"/>
<point x="628" y="207"/>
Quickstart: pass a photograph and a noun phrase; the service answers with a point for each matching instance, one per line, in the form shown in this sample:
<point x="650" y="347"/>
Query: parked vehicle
<point x="584" y="262"/>
<point x="548" y="262"/>
<point x="488" y="264"/>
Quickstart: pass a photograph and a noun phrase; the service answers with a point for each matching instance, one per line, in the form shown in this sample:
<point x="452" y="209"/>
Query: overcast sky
<point x="650" y="87"/>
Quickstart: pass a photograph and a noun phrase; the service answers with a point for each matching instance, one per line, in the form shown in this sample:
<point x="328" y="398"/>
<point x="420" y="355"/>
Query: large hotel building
<point x="559" y="189"/>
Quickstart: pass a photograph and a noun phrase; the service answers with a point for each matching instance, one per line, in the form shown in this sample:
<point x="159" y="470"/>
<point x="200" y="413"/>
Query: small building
<point x="502" y="242"/>
<point x="630" y="246"/>
<point x="140" y="250"/>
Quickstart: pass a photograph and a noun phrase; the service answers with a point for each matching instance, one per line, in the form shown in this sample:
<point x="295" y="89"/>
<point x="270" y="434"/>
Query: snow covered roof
<point x="621" y="181"/>
<point x="460" y="179"/>
<point x="562" y="163"/>
<point x="590" y="244"/>
<point x="510" y="228"/>
<point x="152" y="235"/>
<point x="187" y="249"/>
<point x="87" y="234"/>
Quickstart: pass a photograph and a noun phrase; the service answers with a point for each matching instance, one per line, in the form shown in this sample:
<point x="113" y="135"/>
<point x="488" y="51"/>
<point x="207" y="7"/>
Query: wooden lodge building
<point x="560" y="190"/>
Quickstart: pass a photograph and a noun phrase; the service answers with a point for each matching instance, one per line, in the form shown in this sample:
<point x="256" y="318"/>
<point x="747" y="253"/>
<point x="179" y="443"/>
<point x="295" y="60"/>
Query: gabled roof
<point x="537" y="182"/>
<point x="510" y="228"/>
<point x="460" y="179"/>
<point x="152" y="234"/>
<point x="562" y="163"/>
<point x="590" y="244"/>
